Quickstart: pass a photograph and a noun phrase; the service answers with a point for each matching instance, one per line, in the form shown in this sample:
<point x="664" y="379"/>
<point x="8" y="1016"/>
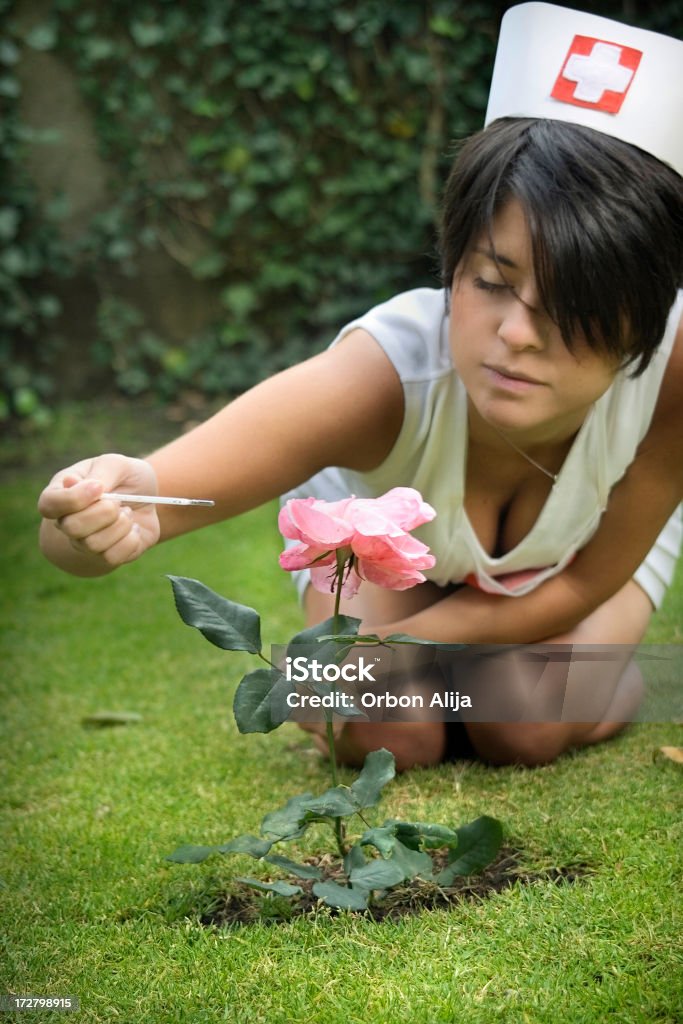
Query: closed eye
<point x="491" y="286"/>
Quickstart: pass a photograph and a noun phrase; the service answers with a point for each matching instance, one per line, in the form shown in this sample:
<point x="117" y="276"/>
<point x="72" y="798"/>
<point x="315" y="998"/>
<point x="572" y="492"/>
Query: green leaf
<point x="251" y="845"/>
<point x="230" y="626"/>
<point x="334" y="803"/>
<point x="354" y="858"/>
<point x="378" y="874"/>
<point x="147" y="33"/>
<point x="341" y="896"/>
<point x="416" y="834"/>
<point x="42" y="36"/>
<point x="9" y="222"/>
<point x="240" y="299"/>
<point x="350" y="712"/>
<point x="346" y="624"/>
<point x="411" y="862"/>
<point x="280" y="888"/>
<point x="259" y="704"/>
<point x="351" y="638"/>
<point x="210" y="265"/>
<point x="189" y="854"/>
<point x="406" y="856"/>
<point x="378" y="769"/>
<point x="442" y="26"/>
<point x="405" y="638"/>
<point x="287" y="822"/>
<point x="478" y="844"/>
<point x="382" y="838"/>
<point x="300" y="870"/>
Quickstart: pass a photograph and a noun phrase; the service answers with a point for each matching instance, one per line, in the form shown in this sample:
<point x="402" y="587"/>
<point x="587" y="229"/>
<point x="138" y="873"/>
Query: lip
<point x="509" y="379"/>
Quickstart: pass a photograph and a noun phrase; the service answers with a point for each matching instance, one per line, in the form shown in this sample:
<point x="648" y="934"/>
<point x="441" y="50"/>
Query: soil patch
<point x="246" y="906"/>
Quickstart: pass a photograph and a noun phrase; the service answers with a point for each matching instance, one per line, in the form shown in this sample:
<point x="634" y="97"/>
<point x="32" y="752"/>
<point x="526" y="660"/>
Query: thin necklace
<point x="552" y="476"/>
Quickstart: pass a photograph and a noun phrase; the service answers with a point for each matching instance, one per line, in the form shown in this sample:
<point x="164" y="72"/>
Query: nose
<point x="519" y="327"/>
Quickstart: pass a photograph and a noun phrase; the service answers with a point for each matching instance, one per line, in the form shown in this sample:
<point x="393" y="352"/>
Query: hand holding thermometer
<point x="151" y="499"/>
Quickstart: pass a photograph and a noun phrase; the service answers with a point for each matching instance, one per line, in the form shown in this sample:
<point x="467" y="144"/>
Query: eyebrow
<point x="496" y="257"/>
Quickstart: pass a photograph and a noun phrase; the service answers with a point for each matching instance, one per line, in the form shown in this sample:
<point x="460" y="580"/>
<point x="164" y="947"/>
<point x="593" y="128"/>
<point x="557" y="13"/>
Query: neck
<point x="547" y="444"/>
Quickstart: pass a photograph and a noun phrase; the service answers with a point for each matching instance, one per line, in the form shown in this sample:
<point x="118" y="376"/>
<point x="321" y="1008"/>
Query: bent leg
<point x="621" y="621"/>
<point x="413" y="744"/>
<point x="613" y="699"/>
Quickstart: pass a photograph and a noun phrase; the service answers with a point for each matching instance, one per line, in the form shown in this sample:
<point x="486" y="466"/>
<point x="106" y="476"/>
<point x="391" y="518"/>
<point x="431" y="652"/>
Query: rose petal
<point x="302" y="556"/>
<point x="382" y="576"/>
<point x="323" y="579"/>
<point x="306" y="521"/>
<point x="405" y="507"/>
<point x="373" y="529"/>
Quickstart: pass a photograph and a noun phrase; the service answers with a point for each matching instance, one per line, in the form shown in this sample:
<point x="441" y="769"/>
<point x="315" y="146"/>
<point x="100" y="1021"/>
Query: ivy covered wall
<point x="195" y="195"/>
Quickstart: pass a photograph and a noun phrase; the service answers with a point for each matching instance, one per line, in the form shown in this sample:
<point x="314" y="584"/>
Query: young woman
<point x="536" y="401"/>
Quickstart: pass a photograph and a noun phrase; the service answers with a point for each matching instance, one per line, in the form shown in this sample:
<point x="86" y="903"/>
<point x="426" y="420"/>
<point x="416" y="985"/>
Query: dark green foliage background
<point x="304" y="142"/>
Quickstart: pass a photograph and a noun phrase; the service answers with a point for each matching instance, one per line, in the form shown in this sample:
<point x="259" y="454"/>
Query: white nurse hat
<point x="565" y="65"/>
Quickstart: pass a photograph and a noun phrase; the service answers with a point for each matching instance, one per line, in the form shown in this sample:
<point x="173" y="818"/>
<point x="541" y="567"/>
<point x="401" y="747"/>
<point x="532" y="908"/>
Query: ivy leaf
<point x="42" y="37"/>
<point x="378" y="769"/>
<point x="260" y="700"/>
<point x="280" y="888"/>
<point x="341" y="896"/>
<point x="230" y="626"/>
<point x="478" y="844"/>
<point x="147" y="33"/>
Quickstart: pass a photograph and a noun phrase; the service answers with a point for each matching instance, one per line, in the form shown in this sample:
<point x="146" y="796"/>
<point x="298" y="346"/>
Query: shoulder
<point x="663" y="442"/>
<point x="670" y="403"/>
<point x="412" y="330"/>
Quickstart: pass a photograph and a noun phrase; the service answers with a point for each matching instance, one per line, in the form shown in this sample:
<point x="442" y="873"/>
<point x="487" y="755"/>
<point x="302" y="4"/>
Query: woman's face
<point x="519" y="374"/>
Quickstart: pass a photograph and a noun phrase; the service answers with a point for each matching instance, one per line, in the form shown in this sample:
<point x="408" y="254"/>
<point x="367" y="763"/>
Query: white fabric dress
<point x="431" y="449"/>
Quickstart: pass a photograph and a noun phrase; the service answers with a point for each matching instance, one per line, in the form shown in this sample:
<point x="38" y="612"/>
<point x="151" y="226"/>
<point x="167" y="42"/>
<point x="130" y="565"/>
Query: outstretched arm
<point x="343" y="407"/>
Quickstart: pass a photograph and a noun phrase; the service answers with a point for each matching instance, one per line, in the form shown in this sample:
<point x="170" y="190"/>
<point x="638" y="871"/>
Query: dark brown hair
<point x="606" y="226"/>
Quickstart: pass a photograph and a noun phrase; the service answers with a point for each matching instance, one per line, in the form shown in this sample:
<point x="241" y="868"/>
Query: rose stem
<point x="338" y="823"/>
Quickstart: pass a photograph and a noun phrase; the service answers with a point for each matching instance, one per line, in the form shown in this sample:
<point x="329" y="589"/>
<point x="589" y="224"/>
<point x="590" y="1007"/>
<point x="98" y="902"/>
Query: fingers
<point x="98" y="526"/>
<point x="68" y="496"/>
<point x="75" y="488"/>
<point x="105" y="530"/>
<point x="88" y="535"/>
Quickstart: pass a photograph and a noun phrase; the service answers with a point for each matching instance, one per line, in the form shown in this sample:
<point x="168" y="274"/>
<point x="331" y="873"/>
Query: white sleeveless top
<point x="431" y="449"/>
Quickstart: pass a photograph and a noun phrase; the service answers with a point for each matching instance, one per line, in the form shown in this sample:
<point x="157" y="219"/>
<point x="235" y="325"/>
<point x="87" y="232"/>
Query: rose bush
<point x="342" y="542"/>
<point x="369" y="536"/>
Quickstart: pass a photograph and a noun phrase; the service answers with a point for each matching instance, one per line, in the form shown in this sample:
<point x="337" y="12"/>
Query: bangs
<point x="606" y="246"/>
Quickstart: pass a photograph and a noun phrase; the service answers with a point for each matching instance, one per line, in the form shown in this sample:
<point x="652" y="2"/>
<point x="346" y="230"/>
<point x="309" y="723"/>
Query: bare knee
<point x="413" y="744"/>
<point x="525" y="743"/>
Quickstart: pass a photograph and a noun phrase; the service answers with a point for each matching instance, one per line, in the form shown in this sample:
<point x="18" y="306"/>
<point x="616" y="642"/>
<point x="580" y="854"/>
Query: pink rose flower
<point x="368" y="535"/>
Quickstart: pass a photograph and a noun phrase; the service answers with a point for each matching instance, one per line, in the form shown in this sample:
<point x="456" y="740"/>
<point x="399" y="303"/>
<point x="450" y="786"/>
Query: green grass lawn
<point x="90" y="908"/>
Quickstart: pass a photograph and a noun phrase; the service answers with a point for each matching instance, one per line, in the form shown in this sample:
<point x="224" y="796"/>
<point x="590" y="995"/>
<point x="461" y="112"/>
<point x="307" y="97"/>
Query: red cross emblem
<point x="596" y="74"/>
